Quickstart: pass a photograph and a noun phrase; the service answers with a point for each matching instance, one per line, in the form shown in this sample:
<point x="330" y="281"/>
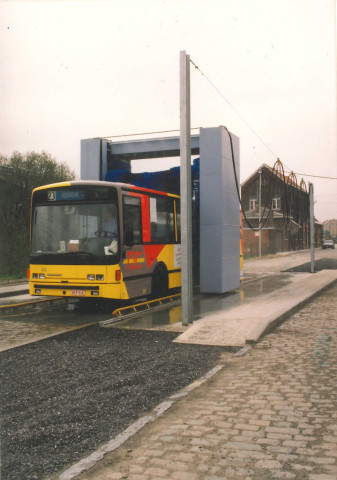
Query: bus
<point x="98" y="239"/>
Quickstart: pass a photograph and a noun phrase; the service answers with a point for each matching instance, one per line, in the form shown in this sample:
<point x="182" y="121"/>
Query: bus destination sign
<point x="65" y="195"/>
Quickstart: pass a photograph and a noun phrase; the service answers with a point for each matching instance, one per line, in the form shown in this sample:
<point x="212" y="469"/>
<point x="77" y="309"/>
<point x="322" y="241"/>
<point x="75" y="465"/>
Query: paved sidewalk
<point x="248" y="322"/>
<point x="269" y="414"/>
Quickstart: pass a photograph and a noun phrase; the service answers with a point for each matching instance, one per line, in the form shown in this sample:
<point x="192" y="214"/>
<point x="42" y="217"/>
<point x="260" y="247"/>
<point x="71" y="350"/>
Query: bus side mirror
<point x="128" y="238"/>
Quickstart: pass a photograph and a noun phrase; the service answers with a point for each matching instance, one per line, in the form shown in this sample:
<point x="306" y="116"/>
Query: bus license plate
<point x="80" y="293"/>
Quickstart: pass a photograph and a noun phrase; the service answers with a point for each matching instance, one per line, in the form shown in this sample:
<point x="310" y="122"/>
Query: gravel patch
<point x="64" y="396"/>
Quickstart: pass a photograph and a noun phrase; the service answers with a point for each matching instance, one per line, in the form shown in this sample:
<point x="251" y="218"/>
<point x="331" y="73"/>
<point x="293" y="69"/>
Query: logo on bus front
<point x="134" y="260"/>
<point x="51" y="195"/>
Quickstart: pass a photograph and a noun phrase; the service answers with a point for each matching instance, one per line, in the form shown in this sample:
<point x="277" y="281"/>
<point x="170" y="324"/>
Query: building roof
<point x="288" y="179"/>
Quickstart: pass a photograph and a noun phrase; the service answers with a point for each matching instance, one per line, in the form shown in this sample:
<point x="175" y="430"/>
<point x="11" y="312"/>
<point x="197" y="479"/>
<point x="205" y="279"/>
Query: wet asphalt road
<point x="62" y="397"/>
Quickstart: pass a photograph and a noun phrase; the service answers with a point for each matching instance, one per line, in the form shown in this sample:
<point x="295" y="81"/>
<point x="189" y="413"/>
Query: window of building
<point x="276" y="203"/>
<point x="253" y="202"/>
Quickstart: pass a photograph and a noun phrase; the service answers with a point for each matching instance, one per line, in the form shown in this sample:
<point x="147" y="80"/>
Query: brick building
<point x="285" y="213"/>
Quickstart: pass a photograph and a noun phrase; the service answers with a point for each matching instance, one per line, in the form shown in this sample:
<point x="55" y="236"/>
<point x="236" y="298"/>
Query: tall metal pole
<point x="185" y="191"/>
<point x="312" y="227"/>
<point x="260" y="222"/>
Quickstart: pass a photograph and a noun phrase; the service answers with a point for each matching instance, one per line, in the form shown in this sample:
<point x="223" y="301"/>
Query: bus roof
<point x="124" y="186"/>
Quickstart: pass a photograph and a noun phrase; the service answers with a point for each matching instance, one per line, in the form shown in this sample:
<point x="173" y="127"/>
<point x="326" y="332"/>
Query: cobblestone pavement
<point x="270" y="414"/>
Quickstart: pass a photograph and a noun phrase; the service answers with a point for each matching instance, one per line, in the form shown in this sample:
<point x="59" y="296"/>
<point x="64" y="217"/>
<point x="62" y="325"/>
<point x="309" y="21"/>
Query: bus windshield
<point x="90" y="228"/>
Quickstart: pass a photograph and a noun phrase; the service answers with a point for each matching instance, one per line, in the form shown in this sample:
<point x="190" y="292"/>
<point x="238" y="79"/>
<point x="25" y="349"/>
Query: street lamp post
<point x="260" y="198"/>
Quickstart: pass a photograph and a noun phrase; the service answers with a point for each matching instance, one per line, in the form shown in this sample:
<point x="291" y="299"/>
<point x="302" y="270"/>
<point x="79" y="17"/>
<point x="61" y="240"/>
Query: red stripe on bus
<point x="146" y="218"/>
<point x="151" y="253"/>
<point x="149" y="190"/>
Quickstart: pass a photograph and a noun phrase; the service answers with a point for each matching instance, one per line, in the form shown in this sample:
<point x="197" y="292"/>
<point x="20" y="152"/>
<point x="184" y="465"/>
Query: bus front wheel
<point x="159" y="286"/>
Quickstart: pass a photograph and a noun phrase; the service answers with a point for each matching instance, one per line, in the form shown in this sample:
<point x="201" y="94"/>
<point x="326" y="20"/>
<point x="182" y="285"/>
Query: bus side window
<point x="162" y="220"/>
<point x="132" y="217"/>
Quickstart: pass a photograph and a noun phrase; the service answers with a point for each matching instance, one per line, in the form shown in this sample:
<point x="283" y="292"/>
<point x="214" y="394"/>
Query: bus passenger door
<point x="133" y="264"/>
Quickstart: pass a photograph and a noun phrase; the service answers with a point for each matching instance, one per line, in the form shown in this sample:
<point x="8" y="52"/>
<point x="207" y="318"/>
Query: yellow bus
<point x="96" y="239"/>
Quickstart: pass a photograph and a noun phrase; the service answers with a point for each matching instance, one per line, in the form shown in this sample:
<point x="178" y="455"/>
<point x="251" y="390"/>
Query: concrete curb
<point x="91" y="460"/>
<point x="326" y="278"/>
<point x="247" y="323"/>
<point x="30" y="304"/>
<point x="13" y="291"/>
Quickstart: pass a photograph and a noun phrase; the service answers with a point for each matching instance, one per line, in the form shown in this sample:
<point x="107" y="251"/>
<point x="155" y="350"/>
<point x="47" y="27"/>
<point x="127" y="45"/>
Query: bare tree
<point x="19" y="174"/>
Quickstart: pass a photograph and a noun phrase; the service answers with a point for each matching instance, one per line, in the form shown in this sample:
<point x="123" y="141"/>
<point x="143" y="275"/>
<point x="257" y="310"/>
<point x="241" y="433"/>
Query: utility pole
<point x="260" y="220"/>
<point x="185" y="191"/>
<point x="312" y="227"/>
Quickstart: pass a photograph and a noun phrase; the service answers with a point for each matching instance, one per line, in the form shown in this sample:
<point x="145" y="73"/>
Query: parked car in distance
<point x="328" y="244"/>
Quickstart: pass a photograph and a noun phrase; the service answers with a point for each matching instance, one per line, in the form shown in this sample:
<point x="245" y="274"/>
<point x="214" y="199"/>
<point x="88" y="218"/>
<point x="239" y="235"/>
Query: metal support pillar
<point x="185" y="191"/>
<point x="312" y="228"/>
<point x="219" y="211"/>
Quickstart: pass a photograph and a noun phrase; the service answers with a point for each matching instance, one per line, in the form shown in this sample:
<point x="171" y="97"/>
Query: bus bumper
<point x="110" y="291"/>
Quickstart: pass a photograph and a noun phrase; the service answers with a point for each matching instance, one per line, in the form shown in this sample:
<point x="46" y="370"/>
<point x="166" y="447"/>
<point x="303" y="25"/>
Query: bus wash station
<point x="215" y="205"/>
<point x="117" y="235"/>
<point x="75" y="257"/>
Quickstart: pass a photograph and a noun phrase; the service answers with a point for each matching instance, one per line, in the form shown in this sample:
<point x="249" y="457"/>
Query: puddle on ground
<point x="43" y="321"/>
<point x="210" y="303"/>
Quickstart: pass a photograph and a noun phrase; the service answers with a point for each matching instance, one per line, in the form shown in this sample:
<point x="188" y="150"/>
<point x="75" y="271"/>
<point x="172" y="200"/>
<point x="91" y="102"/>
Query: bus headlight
<point x="100" y="277"/>
<point x="35" y="275"/>
<point x="42" y="275"/>
<point x="90" y="277"/>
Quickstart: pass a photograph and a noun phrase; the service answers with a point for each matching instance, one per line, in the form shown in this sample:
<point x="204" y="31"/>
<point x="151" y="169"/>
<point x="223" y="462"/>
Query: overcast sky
<point x="73" y="70"/>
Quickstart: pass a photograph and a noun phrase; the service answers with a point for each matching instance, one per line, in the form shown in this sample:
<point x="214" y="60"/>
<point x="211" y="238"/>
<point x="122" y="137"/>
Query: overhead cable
<point x="145" y="133"/>
<point x="247" y="124"/>
<point x="316" y="176"/>
<point x="233" y="108"/>
<point x="262" y="221"/>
